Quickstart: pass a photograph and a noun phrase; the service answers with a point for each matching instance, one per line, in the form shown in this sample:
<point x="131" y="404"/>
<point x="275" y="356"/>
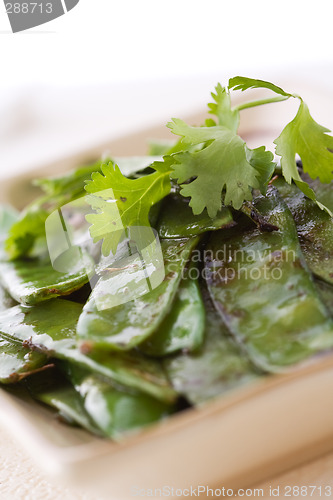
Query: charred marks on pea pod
<point x="18" y="377"/>
<point x="29" y="344"/>
<point x="170" y="276"/>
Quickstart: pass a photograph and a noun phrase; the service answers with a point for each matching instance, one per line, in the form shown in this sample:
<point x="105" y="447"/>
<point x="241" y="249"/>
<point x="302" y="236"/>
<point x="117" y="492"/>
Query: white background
<point x="109" y="67"/>
<point x="109" y="40"/>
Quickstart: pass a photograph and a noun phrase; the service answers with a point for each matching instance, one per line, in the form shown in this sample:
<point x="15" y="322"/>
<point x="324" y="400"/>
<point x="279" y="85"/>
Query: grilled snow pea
<point x="177" y="220"/>
<point x="114" y="410"/>
<point x="218" y="367"/>
<point x="30" y="281"/>
<point x="50" y="328"/>
<point x="54" y="390"/>
<point x="17" y="361"/>
<point x="326" y="293"/>
<point x="127" y="325"/>
<point x="184" y="326"/>
<point x="6" y="300"/>
<point x="263" y="290"/>
<point x="34" y="280"/>
<point x="314" y="227"/>
<point x="324" y="192"/>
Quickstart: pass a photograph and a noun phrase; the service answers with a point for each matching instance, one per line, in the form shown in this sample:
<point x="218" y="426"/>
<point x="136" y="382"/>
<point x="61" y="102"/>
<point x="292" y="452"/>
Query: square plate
<point x="246" y="436"/>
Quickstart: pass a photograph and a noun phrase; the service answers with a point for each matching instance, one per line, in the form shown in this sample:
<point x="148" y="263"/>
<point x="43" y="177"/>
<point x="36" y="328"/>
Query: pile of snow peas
<point x="240" y="300"/>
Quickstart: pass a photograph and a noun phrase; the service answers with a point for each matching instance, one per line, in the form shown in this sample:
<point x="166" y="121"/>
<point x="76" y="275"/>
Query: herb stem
<point x="252" y="104"/>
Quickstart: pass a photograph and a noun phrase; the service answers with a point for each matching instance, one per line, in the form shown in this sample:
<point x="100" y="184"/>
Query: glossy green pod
<point x="50" y="328"/>
<point x="314" y="227"/>
<point x="326" y="293"/>
<point x="35" y="280"/>
<point x="127" y="325"/>
<point x="115" y="411"/>
<point x="184" y="326"/>
<point x="55" y="391"/>
<point x="30" y="281"/>
<point x="177" y="220"/>
<point x="324" y="192"/>
<point x="16" y="361"/>
<point x="263" y="290"/>
<point x="220" y="365"/>
<point x="6" y="300"/>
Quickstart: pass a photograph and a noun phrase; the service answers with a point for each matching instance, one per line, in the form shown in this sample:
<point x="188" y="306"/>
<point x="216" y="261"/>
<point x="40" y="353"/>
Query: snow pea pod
<point x="219" y="366"/>
<point x="54" y="390"/>
<point x="50" y="328"/>
<point x="314" y="227"/>
<point x="127" y="325"/>
<point x="263" y="290"/>
<point x="177" y="220"/>
<point x="184" y="326"/>
<point x="114" y="411"/>
<point x="326" y="293"/>
<point x="16" y="361"/>
<point x="35" y="280"/>
<point x="6" y="300"/>
<point x="324" y="192"/>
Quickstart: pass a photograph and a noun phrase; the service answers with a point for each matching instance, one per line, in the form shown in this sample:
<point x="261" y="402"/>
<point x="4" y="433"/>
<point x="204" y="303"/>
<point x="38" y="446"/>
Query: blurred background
<point x="108" y="68"/>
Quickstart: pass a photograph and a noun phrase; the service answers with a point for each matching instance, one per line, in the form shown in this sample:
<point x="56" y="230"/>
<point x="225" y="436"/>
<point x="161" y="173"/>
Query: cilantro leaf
<point x="262" y="161"/>
<point x="24" y="232"/>
<point x="243" y="83"/>
<point x="224" y="163"/>
<point x="121" y="203"/>
<point x="310" y="140"/>
<point x="59" y="190"/>
<point x="72" y="181"/>
<point x="221" y="108"/>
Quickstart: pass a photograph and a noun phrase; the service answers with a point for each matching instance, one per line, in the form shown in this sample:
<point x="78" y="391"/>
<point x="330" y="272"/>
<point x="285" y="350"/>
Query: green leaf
<point x="243" y="83"/>
<point x="121" y="203"/>
<point x="222" y="164"/>
<point x="23" y="233"/>
<point x="160" y="146"/>
<point x="72" y="181"/>
<point x="59" y="191"/>
<point x="221" y="108"/>
<point x="30" y="228"/>
<point x="261" y="160"/>
<point x="310" y="140"/>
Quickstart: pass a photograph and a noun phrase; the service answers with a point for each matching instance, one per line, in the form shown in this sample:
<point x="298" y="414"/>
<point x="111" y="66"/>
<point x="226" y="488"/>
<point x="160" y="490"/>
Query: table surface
<point x="33" y="135"/>
<point x="20" y="479"/>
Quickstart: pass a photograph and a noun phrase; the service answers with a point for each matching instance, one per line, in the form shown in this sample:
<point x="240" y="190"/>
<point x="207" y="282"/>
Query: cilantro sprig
<point x="121" y="203"/>
<point x="213" y="165"/>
